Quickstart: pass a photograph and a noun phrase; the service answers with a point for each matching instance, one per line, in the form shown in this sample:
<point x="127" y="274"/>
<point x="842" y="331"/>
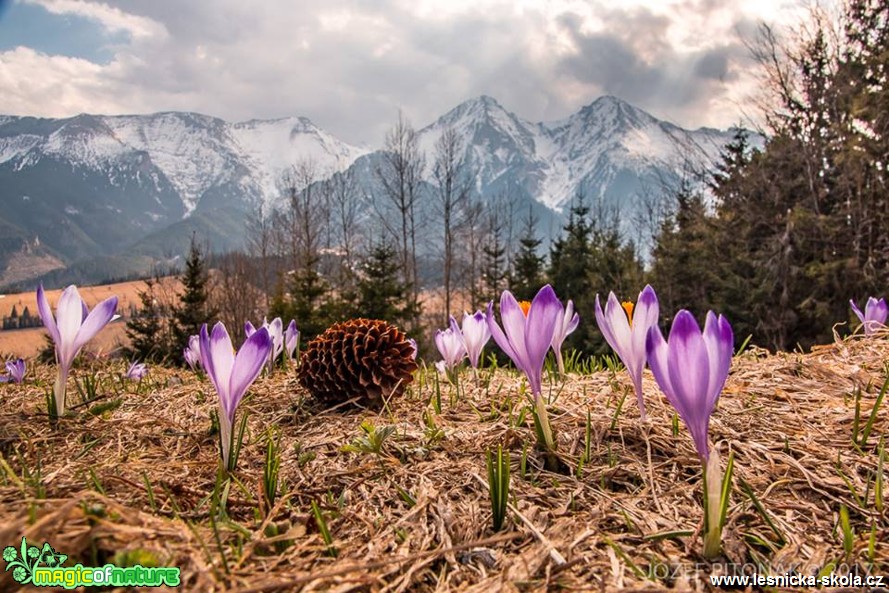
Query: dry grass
<point x="788" y="419"/>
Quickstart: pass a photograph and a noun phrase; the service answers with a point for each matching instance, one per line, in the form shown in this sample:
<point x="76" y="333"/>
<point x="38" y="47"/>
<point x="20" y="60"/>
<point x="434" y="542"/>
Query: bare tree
<point x="345" y="209"/>
<point x="307" y="215"/>
<point x="233" y="294"/>
<point x="260" y="245"/>
<point x="453" y="196"/>
<point x="400" y="175"/>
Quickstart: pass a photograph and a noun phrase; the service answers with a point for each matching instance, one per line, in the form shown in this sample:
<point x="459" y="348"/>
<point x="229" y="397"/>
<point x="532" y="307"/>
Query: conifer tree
<point x="494" y="270"/>
<point x="194" y="308"/>
<point x="382" y="292"/>
<point x="527" y="271"/>
<point x="570" y="268"/>
<point x="146" y="330"/>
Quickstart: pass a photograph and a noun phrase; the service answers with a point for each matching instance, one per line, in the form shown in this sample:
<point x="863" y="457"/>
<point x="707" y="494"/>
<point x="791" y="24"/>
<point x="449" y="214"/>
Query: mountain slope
<point x="137" y="186"/>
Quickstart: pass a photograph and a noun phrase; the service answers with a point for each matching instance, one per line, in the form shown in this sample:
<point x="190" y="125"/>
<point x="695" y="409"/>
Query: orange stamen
<point x="526" y="306"/>
<point x="628" y="309"/>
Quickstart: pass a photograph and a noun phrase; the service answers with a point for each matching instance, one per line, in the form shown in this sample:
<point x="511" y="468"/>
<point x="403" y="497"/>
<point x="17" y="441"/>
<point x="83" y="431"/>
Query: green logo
<point x="42" y="567"/>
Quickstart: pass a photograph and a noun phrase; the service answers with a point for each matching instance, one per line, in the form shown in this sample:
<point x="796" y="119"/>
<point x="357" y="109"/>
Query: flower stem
<point x="545" y="429"/>
<point x="712" y="507"/>
<point x="59" y="390"/>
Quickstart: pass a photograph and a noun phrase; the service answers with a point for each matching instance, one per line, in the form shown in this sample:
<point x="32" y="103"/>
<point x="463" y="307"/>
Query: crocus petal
<point x="645" y="314"/>
<point x="688" y="360"/>
<point x="657" y="350"/>
<point x="94" y="322"/>
<point x="217" y="359"/>
<point x="475" y="335"/>
<point x="249" y="330"/>
<point x="276" y="333"/>
<point x="615" y="326"/>
<point x="499" y="337"/>
<point x="291" y="335"/>
<point x="876" y="312"/>
<point x="69" y="318"/>
<point x="46" y="316"/>
<point x="545" y="314"/>
<point x="246" y="367"/>
<point x="719" y="341"/>
<point x="513" y="319"/>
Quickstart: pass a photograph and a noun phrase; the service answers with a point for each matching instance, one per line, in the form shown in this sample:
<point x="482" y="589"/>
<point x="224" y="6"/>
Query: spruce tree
<point x="527" y="271"/>
<point x="382" y="294"/>
<point x="570" y="269"/>
<point x="194" y="309"/>
<point x="146" y="330"/>
<point x="494" y="269"/>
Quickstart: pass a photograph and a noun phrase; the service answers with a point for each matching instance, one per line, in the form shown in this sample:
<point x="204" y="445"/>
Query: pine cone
<point x="365" y="358"/>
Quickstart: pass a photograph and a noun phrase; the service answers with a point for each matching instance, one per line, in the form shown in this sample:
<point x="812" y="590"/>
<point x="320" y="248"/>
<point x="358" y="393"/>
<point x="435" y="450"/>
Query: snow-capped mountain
<point x="609" y="149"/>
<point x="139" y="185"/>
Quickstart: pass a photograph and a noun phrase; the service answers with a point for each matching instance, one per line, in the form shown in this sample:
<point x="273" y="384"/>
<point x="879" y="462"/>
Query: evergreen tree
<point x="382" y="293"/>
<point x="527" y="271"/>
<point x="570" y="269"/>
<point x="194" y="309"/>
<point x="494" y="271"/>
<point x="149" y="338"/>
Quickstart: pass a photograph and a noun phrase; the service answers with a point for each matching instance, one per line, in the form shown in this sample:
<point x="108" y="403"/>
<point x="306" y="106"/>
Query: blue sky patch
<point x="68" y="35"/>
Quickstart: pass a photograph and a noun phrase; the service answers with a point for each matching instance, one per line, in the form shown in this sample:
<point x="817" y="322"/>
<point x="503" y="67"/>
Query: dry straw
<point x="416" y="517"/>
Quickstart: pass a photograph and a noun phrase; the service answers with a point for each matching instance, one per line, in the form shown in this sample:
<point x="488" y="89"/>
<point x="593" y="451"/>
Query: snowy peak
<point x="196" y="153"/>
<point x="604" y="143"/>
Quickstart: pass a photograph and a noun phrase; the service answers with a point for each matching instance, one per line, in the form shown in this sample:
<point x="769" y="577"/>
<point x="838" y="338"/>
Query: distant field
<point x="27" y="342"/>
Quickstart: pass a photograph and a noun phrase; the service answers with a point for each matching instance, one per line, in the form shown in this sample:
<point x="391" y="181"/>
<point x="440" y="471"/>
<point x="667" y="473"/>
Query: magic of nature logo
<point x="43" y="567"/>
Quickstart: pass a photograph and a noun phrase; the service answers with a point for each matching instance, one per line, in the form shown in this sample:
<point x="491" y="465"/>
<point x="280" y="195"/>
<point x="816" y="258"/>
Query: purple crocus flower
<point x="450" y="343"/>
<point x="566" y="325"/>
<point x="291" y="338"/>
<point x="476" y="334"/>
<point x="527" y="339"/>
<point x="692" y="369"/>
<point x="874" y="316"/>
<point x="276" y="332"/>
<point x="232" y="373"/>
<point x="73" y="326"/>
<point x="16" y="370"/>
<point x="414" y="348"/>
<point x="137" y="371"/>
<point x="192" y="352"/>
<point x="625" y="329"/>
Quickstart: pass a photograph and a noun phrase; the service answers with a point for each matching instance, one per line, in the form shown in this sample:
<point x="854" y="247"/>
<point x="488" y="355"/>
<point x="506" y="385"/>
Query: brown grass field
<point x="129" y="478"/>
<point x="28" y="342"/>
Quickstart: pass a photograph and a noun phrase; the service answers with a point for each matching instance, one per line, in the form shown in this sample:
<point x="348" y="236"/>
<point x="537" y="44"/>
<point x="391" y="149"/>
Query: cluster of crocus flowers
<point x="450" y="345"/>
<point x="72" y="327"/>
<point x="16" y="371"/>
<point x="874" y="315"/>
<point x="231" y="374"/>
<point x="456" y="343"/>
<point x="283" y="340"/>
<point x="526" y="338"/>
<point x="691" y="369"/>
<point x="136" y="371"/>
<point x="626" y="328"/>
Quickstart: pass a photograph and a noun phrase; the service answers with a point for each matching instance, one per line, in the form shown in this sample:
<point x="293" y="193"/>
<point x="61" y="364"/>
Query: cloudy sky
<point x="349" y="65"/>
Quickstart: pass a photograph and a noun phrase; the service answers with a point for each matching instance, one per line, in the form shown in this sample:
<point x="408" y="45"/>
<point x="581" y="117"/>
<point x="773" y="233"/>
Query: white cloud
<point x="350" y="65"/>
<point x="113" y="19"/>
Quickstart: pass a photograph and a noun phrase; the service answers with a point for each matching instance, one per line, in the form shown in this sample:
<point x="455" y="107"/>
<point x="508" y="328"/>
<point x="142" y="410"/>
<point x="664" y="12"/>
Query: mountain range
<point x="93" y="197"/>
